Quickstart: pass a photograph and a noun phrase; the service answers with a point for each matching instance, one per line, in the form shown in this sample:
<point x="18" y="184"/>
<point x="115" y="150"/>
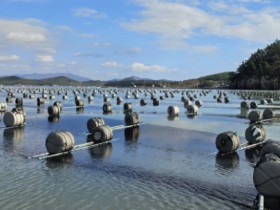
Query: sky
<point x="115" y="39"/>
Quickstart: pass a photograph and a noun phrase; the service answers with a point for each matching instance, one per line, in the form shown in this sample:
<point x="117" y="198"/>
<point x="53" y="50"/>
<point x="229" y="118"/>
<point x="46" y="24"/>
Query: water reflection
<point x="40" y="110"/>
<point x="60" y="161"/>
<point x="244" y="113"/>
<point x="227" y="162"/>
<point x="12" y="138"/>
<point x="80" y="110"/>
<point x="132" y="134"/>
<point x="191" y="116"/>
<point x="252" y="155"/>
<point x="53" y="119"/>
<point x="172" y="118"/>
<point x="101" y="151"/>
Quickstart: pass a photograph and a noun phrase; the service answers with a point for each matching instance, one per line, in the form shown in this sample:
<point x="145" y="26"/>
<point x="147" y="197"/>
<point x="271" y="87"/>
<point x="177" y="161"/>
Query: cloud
<point x="145" y="68"/>
<point x="179" y="21"/>
<point x="9" y="58"/>
<point x="88" y="13"/>
<point x="44" y="58"/>
<point x="111" y="64"/>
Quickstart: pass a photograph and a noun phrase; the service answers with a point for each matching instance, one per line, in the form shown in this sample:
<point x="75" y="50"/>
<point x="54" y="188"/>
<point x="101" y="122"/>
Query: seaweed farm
<point x="163" y="157"/>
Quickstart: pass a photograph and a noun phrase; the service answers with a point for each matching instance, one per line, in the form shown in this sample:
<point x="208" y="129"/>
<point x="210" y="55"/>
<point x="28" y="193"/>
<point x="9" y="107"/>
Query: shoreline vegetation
<point x="261" y="71"/>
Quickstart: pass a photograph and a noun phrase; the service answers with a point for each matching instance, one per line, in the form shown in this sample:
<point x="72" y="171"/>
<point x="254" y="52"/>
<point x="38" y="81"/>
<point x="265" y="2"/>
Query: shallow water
<point x="166" y="163"/>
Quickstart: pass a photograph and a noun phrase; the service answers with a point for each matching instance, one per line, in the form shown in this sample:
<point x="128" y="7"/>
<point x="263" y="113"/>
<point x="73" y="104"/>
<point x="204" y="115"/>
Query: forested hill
<point x="261" y="70"/>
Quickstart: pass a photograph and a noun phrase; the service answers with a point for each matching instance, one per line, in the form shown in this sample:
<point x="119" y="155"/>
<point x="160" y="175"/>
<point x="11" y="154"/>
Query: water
<point x="167" y="163"/>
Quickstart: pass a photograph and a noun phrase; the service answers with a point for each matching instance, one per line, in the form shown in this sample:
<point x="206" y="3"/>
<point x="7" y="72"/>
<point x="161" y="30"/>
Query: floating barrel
<point x="90" y="98"/>
<point x="227" y="142"/>
<point x="107" y="107"/>
<point x="102" y="133"/>
<point x="127" y="107"/>
<point x="173" y="110"/>
<point x="255" y="116"/>
<point x="19" y="102"/>
<point x="3" y="107"/>
<point x="9" y="99"/>
<point x="244" y="105"/>
<point x="143" y="102"/>
<point x="192" y="109"/>
<point x="51" y="97"/>
<point x="219" y="100"/>
<point x="226" y="99"/>
<point x="94" y="122"/>
<point x="270" y="146"/>
<point x="155" y="102"/>
<point x="268" y="114"/>
<point x="187" y="102"/>
<point x="255" y="134"/>
<point x="79" y="102"/>
<point x="132" y="118"/>
<point x="263" y="101"/>
<point x="60" y="141"/>
<point x="266" y="175"/>
<point x="253" y="105"/>
<point x="119" y="100"/>
<point x="106" y="99"/>
<point x="58" y="104"/>
<point x="54" y="111"/>
<point x="40" y="101"/>
<point x="13" y="119"/>
<point x="64" y="97"/>
<point x="198" y="103"/>
<point x="270" y="100"/>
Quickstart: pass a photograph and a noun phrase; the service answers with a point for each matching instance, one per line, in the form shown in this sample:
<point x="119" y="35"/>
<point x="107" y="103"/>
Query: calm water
<point x="167" y="163"/>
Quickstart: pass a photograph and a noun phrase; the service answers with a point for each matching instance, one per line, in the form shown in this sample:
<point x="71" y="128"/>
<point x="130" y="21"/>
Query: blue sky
<point x="156" y="39"/>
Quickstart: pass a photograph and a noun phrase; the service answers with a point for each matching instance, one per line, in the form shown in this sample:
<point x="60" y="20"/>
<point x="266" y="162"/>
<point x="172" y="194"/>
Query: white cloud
<point x="44" y="58"/>
<point x="180" y="21"/>
<point x="88" y="13"/>
<point x="145" y="68"/>
<point x="111" y="64"/>
<point x="9" y="58"/>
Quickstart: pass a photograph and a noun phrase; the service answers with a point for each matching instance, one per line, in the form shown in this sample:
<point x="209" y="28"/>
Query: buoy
<point x="253" y="105"/>
<point x="268" y="114"/>
<point x="90" y="98"/>
<point x="244" y="105"/>
<point x="187" y="102"/>
<point x="94" y="122"/>
<point x="192" y="109"/>
<point x="40" y="101"/>
<point x="155" y="102"/>
<point x="270" y="146"/>
<point x="198" y="103"/>
<point x="127" y="107"/>
<point x="107" y="107"/>
<point x="54" y="111"/>
<point x="60" y="141"/>
<point x="102" y="133"/>
<point x="13" y="119"/>
<point x="263" y="101"/>
<point x="19" y="102"/>
<point x="227" y="142"/>
<point x="173" y="110"/>
<point x="255" y="116"/>
<point x="132" y="118"/>
<point x="79" y="102"/>
<point x="143" y="102"/>
<point x="255" y="134"/>
<point x="119" y="100"/>
<point x="266" y="175"/>
<point x="3" y="107"/>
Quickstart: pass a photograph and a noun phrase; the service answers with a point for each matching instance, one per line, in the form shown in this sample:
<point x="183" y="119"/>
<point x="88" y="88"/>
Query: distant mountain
<point x="53" y="75"/>
<point x="133" y="78"/>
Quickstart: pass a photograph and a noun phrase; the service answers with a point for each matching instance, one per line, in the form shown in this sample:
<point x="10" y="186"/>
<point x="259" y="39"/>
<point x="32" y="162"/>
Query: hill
<point x="260" y="71"/>
<point x="53" y="75"/>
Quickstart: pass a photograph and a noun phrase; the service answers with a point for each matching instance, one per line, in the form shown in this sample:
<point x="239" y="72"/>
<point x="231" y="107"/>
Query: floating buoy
<point x="79" y="102"/>
<point x="255" y="116"/>
<point x="19" y="102"/>
<point x="102" y="133"/>
<point x="60" y="141"/>
<point x="187" y="102"/>
<point x="94" y="122"/>
<point x="270" y="146"/>
<point x="107" y="107"/>
<point x="192" y="109"/>
<point x="244" y="105"/>
<point x="119" y="100"/>
<point x="173" y="110"/>
<point x="266" y="175"/>
<point x="3" y="107"/>
<point x="253" y="105"/>
<point x="263" y="101"/>
<point x="90" y="98"/>
<point x="198" y="103"/>
<point x="127" y="107"/>
<point x="226" y="100"/>
<point x="155" y="102"/>
<point x="132" y="118"/>
<point x="54" y="111"/>
<point x="227" y="142"/>
<point x="143" y="102"/>
<point x="40" y="101"/>
<point x="13" y="119"/>
<point x="255" y="134"/>
<point x="268" y="114"/>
